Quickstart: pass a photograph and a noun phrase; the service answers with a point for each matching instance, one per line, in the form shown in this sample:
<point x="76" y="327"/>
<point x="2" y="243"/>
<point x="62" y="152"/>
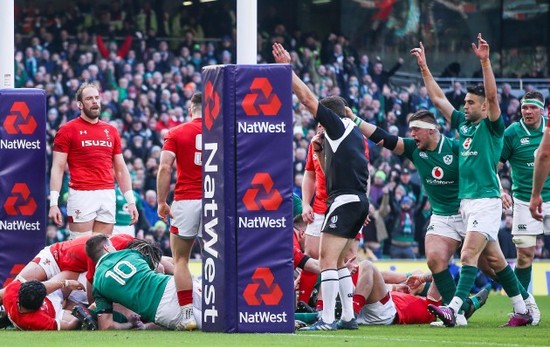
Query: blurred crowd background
<point x="147" y="57"/>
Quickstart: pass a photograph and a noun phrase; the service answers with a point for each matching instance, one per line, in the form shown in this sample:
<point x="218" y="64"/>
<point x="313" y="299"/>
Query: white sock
<point x="519" y="304"/>
<point x="329" y="287"/>
<point x="346" y="293"/>
<point x="456" y="304"/>
<point x="75" y="234"/>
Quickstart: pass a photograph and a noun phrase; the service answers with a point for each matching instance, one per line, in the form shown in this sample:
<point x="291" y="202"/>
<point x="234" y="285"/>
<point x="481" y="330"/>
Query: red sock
<point x="185" y="297"/>
<point x="358" y="302"/>
<point x="319" y="306"/>
<point x="307" y="282"/>
<point x="355" y="277"/>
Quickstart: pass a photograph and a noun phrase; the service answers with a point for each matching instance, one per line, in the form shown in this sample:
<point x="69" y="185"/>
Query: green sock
<point x="466" y="282"/>
<point x="509" y="282"/>
<point x="524" y="276"/>
<point x="445" y="284"/>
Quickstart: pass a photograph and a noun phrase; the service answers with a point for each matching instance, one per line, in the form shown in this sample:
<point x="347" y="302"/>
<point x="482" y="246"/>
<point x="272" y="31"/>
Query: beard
<point x="92" y="113"/>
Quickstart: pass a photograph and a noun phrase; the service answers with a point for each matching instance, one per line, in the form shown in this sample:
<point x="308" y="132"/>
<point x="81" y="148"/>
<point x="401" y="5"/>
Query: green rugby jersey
<point x="122" y="216"/>
<point x="520" y="145"/>
<point x="126" y="277"/>
<point x="438" y="171"/>
<point x="479" y="153"/>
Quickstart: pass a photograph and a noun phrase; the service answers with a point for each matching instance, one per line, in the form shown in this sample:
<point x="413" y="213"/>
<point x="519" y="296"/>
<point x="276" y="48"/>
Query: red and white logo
<point x="261" y="99"/>
<point x="261" y="194"/>
<point x="212" y="105"/>
<point x="467" y="143"/>
<point x="437" y="173"/>
<point x="20" y="202"/>
<point x="20" y="121"/>
<point x="263" y="289"/>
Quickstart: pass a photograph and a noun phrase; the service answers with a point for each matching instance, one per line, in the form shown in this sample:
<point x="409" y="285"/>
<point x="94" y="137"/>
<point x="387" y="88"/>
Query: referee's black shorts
<point x="346" y="215"/>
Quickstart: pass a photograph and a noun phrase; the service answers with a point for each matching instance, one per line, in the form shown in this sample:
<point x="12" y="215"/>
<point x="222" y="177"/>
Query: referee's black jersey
<point x="346" y="167"/>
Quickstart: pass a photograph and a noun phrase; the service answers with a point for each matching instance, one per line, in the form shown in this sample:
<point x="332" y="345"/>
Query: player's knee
<point x="437" y="262"/>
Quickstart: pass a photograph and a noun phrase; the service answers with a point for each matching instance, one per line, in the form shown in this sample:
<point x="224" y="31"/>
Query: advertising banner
<point x="22" y="179"/>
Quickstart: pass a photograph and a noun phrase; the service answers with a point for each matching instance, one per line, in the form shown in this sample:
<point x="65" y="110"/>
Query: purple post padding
<point x="22" y="178"/>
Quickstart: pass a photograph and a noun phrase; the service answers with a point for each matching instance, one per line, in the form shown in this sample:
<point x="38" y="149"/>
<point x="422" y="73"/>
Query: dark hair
<point x="425" y="116"/>
<point x="196" y="104"/>
<point x="150" y="251"/>
<point x="335" y="103"/>
<point x="94" y="246"/>
<point x="84" y="86"/>
<point x="533" y="95"/>
<point x="32" y="294"/>
<point x="478" y="90"/>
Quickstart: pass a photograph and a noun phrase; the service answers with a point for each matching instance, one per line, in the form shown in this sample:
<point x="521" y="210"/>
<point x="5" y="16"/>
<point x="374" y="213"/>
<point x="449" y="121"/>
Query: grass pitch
<point x="482" y="330"/>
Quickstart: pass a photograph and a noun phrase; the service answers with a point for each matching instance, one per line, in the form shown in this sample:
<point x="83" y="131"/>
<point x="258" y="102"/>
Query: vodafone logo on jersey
<point x="467" y="143"/>
<point x="263" y="289"/>
<point x="20" y="121"/>
<point x="261" y="99"/>
<point x="212" y="103"/>
<point x="437" y="173"/>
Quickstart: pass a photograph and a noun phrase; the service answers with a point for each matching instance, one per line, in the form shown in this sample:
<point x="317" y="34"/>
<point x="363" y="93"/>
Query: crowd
<point x="147" y="83"/>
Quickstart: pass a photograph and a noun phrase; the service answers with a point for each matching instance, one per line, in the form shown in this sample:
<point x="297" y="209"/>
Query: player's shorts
<point x="88" y="205"/>
<point x="187" y="221"/>
<point x="524" y="223"/>
<point x="314" y="229"/>
<point x="56" y="298"/>
<point x="124" y="229"/>
<point x="449" y="226"/>
<point x="346" y="215"/>
<point x="47" y="262"/>
<point x="169" y="312"/>
<point x="378" y="313"/>
<point x="482" y="215"/>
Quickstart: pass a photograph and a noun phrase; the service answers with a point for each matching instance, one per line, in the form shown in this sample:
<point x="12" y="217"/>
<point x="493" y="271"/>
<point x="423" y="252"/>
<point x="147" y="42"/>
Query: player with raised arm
<point x="346" y="171"/>
<point x="481" y="131"/>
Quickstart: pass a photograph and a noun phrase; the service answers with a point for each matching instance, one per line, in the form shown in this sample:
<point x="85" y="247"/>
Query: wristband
<point x="408" y="274"/>
<point x="129" y="196"/>
<point x="357" y="121"/>
<point x="64" y="283"/>
<point x="54" y="197"/>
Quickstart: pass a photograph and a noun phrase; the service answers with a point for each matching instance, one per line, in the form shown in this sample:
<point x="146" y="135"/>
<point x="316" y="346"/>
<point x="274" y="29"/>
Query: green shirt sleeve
<point x="409" y="148"/>
<point x="457" y="117"/>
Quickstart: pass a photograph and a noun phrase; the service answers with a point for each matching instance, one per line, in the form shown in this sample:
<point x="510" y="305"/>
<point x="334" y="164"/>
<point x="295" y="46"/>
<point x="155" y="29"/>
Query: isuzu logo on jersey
<point x="96" y="143"/>
<point x="448" y="159"/>
<point x="437" y="172"/>
<point x="467" y="143"/>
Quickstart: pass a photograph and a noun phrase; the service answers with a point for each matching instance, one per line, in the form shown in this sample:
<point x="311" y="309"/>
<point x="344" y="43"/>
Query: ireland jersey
<point x="520" y="145"/>
<point x="122" y="216"/>
<point x="126" y="277"/>
<point x="438" y="171"/>
<point x="479" y="153"/>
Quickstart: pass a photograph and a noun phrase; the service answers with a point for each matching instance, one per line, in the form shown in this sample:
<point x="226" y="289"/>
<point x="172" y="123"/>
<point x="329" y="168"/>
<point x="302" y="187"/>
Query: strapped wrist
<point x="54" y="197"/>
<point x="129" y="196"/>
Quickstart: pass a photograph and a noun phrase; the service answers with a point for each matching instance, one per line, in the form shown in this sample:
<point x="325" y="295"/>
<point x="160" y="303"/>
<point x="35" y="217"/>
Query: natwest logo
<point x="19" y="121"/>
<point x="211" y="105"/>
<point x="261" y="99"/>
<point x="269" y="199"/>
<point x="20" y="202"/>
<point x="263" y="289"/>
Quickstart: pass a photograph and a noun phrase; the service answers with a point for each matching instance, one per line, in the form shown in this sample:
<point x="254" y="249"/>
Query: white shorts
<point x="377" y="313"/>
<point x="124" y="229"/>
<point x="79" y="296"/>
<point x="169" y="312"/>
<point x="187" y="221"/>
<point x="56" y="298"/>
<point x="48" y="263"/>
<point x="314" y="229"/>
<point x="482" y="215"/>
<point x="87" y="205"/>
<point x="449" y="226"/>
<point x="523" y="223"/>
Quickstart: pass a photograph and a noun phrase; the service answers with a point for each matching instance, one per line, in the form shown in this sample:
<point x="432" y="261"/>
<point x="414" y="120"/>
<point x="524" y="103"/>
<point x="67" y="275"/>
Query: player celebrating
<point x="93" y="152"/>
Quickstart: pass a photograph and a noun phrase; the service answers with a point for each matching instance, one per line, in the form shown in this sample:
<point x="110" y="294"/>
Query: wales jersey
<point x="126" y="277"/>
<point x="479" y="153"/>
<point x="122" y="215"/>
<point x="520" y="145"/>
<point x="438" y="171"/>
